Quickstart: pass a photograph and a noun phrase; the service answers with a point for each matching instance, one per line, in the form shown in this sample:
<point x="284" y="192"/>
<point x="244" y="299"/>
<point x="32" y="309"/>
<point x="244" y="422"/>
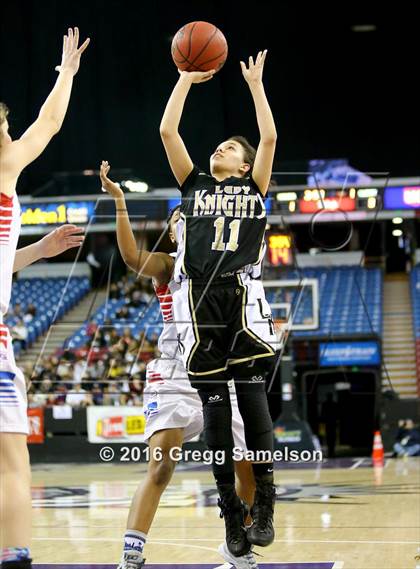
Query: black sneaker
<point x="26" y="564"/>
<point x="233" y="511"/>
<point x="261" y="532"/>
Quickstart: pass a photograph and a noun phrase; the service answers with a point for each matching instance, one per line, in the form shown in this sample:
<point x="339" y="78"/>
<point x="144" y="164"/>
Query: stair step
<point x="400" y="366"/>
<point x="401" y="381"/>
<point x="406" y="350"/>
<point x="399" y="359"/>
<point x="61" y="330"/>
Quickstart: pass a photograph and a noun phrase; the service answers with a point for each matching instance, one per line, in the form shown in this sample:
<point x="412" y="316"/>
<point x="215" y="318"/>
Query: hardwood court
<point x="344" y="515"/>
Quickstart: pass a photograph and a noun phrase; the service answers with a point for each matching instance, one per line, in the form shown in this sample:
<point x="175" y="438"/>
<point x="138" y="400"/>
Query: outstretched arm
<point x="263" y="164"/>
<point x="63" y="238"/>
<point x="51" y="116"/>
<point x="156" y="265"/>
<point x="179" y="159"/>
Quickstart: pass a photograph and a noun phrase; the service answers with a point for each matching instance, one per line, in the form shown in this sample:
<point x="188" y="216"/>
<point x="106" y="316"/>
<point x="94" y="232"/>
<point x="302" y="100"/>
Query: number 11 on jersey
<point x="218" y="243"/>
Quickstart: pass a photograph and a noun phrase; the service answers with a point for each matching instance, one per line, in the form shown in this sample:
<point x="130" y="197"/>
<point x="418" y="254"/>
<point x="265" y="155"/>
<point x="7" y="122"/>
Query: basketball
<point x="199" y="46"/>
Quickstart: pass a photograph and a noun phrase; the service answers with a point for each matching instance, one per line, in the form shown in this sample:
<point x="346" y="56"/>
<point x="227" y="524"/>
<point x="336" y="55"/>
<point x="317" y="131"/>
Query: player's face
<point x="5" y="137"/>
<point x="228" y="158"/>
<point x="172" y="225"/>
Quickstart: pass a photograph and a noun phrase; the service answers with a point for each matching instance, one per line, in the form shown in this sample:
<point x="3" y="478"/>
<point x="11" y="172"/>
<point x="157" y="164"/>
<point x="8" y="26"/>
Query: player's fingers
<point x="243" y="66"/>
<point x="64" y="43"/>
<point x="250" y="61"/>
<point x="70" y="34"/>
<point x="67" y="227"/>
<point x="73" y="230"/>
<point x="73" y="243"/>
<point x="207" y="75"/>
<point x="264" y="55"/>
<point x="76" y="37"/>
<point x="83" y="46"/>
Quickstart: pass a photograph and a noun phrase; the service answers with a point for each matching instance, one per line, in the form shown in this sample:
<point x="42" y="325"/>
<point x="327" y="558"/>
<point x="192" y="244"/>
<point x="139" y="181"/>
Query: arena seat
<point x="350" y="303"/>
<point x="350" y="300"/>
<point x="51" y="298"/>
<point x="415" y="298"/>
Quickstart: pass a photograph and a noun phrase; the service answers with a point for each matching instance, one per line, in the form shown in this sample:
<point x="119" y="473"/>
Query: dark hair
<point x="249" y="151"/>
<point x="173" y="210"/>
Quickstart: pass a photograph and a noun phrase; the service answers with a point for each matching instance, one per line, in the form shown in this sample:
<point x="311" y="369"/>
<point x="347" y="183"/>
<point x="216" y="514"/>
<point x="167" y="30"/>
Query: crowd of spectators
<point x="109" y="369"/>
<point x="19" y="331"/>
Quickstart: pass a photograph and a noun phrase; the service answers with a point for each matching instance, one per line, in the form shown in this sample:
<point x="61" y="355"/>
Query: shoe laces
<point x="264" y="504"/>
<point x="131" y="564"/>
<point x="230" y="512"/>
<point x="250" y="560"/>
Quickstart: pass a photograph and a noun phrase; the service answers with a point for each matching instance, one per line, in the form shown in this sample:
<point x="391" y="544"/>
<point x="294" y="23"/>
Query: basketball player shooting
<point x="220" y="308"/>
<point x="173" y="409"/>
<point x="15" y="476"/>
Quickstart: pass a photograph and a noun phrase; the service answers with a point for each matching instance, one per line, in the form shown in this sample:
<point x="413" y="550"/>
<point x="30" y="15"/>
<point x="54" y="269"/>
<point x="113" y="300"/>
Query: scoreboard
<point x="311" y="200"/>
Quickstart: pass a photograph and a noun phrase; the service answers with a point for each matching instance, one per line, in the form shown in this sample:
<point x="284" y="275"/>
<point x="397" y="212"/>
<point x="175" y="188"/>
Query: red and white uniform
<point x="13" y="400"/>
<point x="169" y="400"/>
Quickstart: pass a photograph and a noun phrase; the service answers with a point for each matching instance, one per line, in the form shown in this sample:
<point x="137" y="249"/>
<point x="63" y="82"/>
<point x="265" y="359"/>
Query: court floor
<point x="341" y="515"/>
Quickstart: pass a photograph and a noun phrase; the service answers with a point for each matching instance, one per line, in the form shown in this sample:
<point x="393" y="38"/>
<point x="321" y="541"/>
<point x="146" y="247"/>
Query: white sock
<point x="134" y="540"/>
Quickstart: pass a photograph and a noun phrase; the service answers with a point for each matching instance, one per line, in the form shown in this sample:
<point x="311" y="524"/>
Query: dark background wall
<point x="334" y="93"/>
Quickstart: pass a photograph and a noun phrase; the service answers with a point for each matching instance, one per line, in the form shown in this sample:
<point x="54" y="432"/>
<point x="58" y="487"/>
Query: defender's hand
<point x="108" y="185"/>
<point x="70" y="59"/>
<point x="65" y="237"/>
<point x="253" y="74"/>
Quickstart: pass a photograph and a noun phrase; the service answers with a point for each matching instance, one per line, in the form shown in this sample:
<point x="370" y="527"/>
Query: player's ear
<point x="245" y="168"/>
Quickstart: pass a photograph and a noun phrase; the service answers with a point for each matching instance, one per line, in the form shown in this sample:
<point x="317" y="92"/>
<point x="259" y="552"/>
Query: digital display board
<point x="312" y="200"/>
<point x="279" y="247"/>
<point x="335" y="354"/>
<point x="57" y="213"/>
<point x="402" y="197"/>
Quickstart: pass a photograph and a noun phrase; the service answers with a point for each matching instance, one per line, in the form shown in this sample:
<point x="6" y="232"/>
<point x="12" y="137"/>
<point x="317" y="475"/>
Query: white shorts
<point x="13" y="399"/>
<point x="171" y="403"/>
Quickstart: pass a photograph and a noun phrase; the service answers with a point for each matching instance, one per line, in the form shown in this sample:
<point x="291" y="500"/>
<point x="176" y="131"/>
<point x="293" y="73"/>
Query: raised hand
<point x="70" y="59"/>
<point x="108" y="185"/>
<point x="254" y="72"/>
<point x="63" y="238"/>
<point x="197" y="76"/>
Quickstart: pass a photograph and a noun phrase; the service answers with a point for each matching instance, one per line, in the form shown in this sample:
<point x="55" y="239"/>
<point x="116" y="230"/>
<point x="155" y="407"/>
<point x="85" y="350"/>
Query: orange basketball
<point x="199" y="46"/>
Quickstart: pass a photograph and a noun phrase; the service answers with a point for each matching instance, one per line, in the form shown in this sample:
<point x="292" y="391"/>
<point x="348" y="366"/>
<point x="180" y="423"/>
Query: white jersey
<point x="13" y="401"/>
<point x="168" y="340"/>
<point x="255" y="270"/>
<point x="9" y="235"/>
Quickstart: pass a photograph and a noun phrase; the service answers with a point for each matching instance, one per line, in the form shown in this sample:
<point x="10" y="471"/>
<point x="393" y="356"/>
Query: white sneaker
<point x="131" y="560"/>
<point x="244" y="562"/>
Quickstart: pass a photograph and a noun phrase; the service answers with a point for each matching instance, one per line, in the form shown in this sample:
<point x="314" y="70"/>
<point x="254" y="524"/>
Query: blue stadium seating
<point x="350" y="303"/>
<point x="51" y="298"/>
<point x="145" y="319"/>
<point x="415" y="298"/>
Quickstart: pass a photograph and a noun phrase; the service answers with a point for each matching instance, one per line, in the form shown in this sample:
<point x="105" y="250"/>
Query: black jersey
<point x="222" y="226"/>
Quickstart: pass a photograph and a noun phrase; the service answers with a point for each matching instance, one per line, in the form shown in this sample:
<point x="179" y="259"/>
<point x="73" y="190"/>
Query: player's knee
<point x="161" y="470"/>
